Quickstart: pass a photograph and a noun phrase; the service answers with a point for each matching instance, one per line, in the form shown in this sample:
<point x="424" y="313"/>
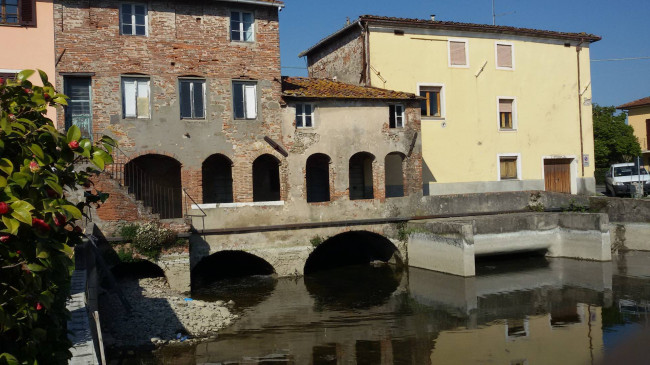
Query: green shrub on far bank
<point x="147" y="239"/>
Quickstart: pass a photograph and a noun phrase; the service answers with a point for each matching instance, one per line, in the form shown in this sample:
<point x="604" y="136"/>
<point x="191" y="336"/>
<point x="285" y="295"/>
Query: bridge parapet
<point x="450" y="245"/>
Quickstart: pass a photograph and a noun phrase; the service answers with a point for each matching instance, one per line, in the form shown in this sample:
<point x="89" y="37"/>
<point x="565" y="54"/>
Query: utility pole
<point x="493" y="14"/>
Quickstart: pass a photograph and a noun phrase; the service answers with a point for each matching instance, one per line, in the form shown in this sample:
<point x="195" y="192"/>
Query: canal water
<point x="521" y="310"/>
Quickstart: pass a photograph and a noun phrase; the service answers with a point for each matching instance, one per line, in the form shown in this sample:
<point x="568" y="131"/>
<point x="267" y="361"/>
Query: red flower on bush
<point x="59" y="219"/>
<point x="33" y="166"/>
<point x="5" y="238"/>
<point x="46" y="96"/>
<point x="4" y="208"/>
<point x="40" y="226"/>
<point x="73" y="144"/>
<point x="39" y="306"/>
<point x="29" y="91"/>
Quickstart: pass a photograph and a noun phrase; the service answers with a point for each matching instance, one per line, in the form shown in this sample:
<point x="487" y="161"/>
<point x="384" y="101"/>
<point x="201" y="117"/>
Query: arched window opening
<point x="361" y="176"/>
<point x="318" y="178"/>
<point x="217" y="179"/>
<point x="266" y="179"/>
<point x="394" y="174"/>
<point x="156" y="181"/>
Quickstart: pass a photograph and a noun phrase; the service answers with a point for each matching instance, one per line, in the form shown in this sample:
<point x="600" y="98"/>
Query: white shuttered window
<point x="135" y="97"/>
<point x="244" y="99"/>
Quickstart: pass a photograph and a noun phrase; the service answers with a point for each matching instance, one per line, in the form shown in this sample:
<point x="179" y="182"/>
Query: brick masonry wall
<point x="343" y="59"/>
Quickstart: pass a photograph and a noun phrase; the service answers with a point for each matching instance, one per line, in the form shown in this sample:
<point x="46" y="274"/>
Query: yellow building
<point x="638" y="116"/>
<point x="507" y="108"/>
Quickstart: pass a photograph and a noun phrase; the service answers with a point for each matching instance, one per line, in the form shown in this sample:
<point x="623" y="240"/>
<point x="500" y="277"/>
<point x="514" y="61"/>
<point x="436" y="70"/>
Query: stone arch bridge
<point x="447" y="238"/>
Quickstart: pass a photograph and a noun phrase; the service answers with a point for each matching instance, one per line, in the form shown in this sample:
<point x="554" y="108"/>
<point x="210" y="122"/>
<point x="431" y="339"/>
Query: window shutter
<point x="391" y="119"/>
<point x="251" y="101"/>
<point x="457" y="54"/>
<point x="505" y="106"/>
<point x="129" y="98"/>
<point x="28" y="12"/>
<point x="504" y="55"/>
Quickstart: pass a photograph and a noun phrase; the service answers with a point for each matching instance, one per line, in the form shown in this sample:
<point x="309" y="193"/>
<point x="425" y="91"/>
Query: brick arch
<point x="137" y="154"/>
<point x="156" y="183"/>
<point x="217" y="179"/>
<point x="362" y="184"/>
<point x="395" y="181"/>
<point x="353" y="247"/>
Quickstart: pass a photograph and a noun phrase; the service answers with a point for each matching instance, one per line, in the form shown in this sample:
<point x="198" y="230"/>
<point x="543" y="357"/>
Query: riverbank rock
<point x="158" y="315"/>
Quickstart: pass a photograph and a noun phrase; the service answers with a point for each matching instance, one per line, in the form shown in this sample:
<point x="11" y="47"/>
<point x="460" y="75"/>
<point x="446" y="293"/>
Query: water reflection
<point x="246" y="292"/>
<point x="548" y="311"/>
<point x="340" y="289"/>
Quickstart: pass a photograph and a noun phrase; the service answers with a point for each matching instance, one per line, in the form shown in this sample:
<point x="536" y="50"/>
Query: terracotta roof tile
<point x="635" y="103"/>
<point x="446" y="25"/>
<point x="306" y="87"/>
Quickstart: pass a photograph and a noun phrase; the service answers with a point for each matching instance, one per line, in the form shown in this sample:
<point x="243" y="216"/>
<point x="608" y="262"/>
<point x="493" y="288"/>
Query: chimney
<point x="347" y="20"/>
<point x="433" y="17"/>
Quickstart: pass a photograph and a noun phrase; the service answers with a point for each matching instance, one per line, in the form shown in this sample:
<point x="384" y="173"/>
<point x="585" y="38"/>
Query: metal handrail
<point x="159" y="198"/>
<point x="202" y="215"/>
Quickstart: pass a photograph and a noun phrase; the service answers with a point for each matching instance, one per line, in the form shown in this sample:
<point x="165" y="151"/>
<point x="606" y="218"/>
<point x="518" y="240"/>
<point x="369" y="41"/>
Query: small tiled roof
<point x="635" y="103"/>
<point x="315" y="88"/>
<point x="468" y="27"/>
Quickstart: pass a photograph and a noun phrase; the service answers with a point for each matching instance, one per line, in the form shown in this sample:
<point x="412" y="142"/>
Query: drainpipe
<point x="366" y="56"/>
<point x="578" y="49"/>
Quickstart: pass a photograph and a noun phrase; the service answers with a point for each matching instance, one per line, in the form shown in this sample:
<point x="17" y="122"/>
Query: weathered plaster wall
<point x="637" y="118"/>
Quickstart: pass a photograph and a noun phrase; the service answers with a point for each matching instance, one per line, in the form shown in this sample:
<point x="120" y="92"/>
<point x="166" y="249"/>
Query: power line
<point x="622" y="59"/>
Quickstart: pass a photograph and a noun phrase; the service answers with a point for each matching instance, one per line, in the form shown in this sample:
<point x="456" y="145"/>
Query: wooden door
<point x="557" y="175"/>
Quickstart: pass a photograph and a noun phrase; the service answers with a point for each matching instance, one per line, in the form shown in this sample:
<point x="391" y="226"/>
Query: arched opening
<point x="233" y="275"/>
<point x="361" y="176"/>
<point x="266" y="179"/>
<point x="318" y="178"/>
<point x="156" y="181"/>
<point x="349" y="270"/>
<point x="394" y="174"/>
<point x="351" y="248"/>
<point x="217" y="179"/>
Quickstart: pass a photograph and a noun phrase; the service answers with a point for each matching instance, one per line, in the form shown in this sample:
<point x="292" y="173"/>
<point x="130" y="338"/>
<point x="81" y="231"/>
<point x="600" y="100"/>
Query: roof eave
<point x="278" y="5"/>
<point x="477" y="28"/>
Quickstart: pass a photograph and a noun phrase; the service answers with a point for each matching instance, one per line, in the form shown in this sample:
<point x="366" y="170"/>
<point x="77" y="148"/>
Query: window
<point x="133" y="19"/>
<point x="79" y="109"/>
<point x="18" y="12"/>
<point x="241" y="26"/>
<point x="431" y="106"/>
<point x="304" y="115"/>
<point x="244" y="99"/>
<point x="192" y="98"/>
<point x="396" y="116"/>
<point x="458" y="53"/>
<point x="508" y="167"/>
<point x="135" y="97"/>
<point x="507" y="120"/>
<point x="504" y="56"/>
<point x="6" y="75"/>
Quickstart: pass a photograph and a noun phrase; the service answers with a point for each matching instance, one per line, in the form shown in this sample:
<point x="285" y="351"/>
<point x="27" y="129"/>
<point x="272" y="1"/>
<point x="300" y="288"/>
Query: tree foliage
<point x="614" y="141"/>
<point x="38" y="166"/>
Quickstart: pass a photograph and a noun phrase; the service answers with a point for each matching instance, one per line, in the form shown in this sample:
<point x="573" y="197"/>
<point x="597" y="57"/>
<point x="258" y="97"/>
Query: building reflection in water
<point x="549" y="311"/>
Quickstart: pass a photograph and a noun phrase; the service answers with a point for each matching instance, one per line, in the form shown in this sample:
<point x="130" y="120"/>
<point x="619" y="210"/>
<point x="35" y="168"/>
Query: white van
<point x="620" y="176"/>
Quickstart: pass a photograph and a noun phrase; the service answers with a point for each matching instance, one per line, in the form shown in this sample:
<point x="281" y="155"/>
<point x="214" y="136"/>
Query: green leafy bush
<point x="128" y="231"/>
<point x="316" y="240"/>
<point x="151" y="238"/>
<point x="38" y="165"/>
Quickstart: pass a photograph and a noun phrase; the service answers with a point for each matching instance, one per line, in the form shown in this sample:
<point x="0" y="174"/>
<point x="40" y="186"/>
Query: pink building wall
<point x="26" y="47"/>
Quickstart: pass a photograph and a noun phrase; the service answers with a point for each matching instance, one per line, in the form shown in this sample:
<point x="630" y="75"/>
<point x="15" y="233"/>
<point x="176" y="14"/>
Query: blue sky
<point x="623" y="24"/>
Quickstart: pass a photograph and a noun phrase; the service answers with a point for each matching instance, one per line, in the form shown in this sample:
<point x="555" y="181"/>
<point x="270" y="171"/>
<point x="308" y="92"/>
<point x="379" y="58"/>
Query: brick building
<point x="192" y="91"/>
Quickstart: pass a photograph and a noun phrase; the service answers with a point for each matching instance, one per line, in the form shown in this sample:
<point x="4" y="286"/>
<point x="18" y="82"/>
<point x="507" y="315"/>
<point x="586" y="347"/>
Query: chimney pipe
<point x="433" y="17"/>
